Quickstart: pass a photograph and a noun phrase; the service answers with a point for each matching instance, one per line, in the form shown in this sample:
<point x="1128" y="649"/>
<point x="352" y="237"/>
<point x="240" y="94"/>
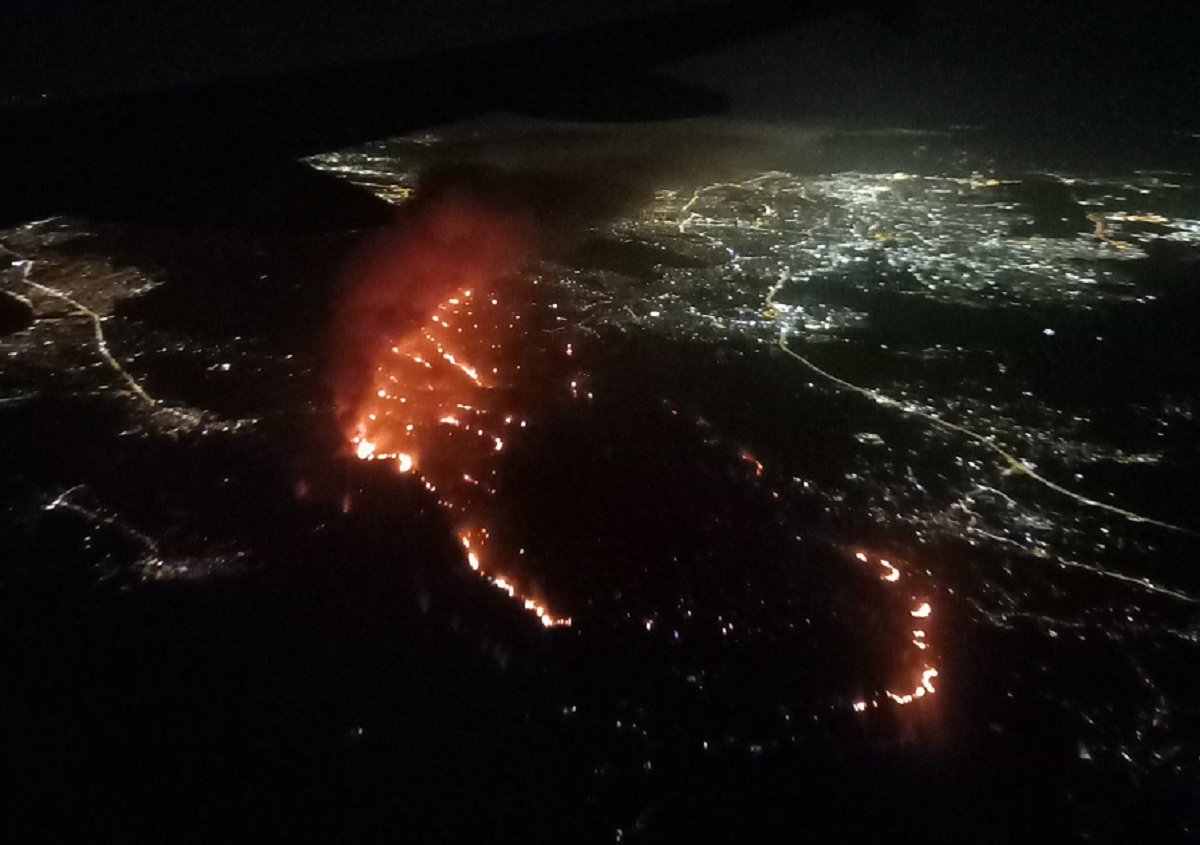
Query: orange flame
<point x="393" y="284"/>
<point x="411" y="344"/>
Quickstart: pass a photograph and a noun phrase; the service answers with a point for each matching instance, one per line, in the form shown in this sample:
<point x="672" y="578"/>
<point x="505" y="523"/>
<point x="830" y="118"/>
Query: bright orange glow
<point x="753" y="461"/>
<point x="919" y="638"/>
<point x="892" y="573"/>
<point x="446" y="422"/>
<point x="420" y="378"/>
<point x="411" y="345"/>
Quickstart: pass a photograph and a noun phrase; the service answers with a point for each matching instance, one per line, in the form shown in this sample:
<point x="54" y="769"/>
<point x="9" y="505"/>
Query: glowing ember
<point x="445" y="421"/>
<point x="893" y="574"/>
<point x="919" y="640"/>
<point x="409" y="345"/>
<point x="428" y="392"/>
<point x="753" y="461"/>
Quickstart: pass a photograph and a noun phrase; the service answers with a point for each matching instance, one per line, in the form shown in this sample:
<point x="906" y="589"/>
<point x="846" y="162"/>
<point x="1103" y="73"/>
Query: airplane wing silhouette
<point x="228" y="150"/>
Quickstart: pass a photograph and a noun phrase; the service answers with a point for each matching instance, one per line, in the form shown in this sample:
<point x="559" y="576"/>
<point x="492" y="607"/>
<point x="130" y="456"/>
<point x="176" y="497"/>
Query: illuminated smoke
<point x="416" y="352"/>
<point x="444" y="241"/>
<point x="420" y="363"/>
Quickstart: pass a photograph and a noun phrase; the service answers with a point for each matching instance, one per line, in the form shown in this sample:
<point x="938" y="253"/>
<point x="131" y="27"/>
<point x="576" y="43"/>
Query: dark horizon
<point x="1072" y="62"/>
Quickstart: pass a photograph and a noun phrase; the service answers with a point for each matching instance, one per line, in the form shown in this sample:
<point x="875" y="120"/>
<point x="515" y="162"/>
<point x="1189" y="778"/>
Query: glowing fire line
<point x="923" y="610"/>
<point x="412" y="398"/>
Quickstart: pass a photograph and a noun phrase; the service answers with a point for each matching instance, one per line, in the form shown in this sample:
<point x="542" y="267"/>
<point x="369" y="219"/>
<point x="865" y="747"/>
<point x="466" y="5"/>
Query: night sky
<point x="969" y="63"/>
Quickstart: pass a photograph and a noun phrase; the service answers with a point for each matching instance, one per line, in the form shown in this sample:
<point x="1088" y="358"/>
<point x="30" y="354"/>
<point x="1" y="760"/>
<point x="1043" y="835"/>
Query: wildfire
<point x="753" y="461"/>
<point x="415" y="356"/>
<point x="420" y="381"/>
<point x="923" y="610"/>
<point x="430" y="405"/>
